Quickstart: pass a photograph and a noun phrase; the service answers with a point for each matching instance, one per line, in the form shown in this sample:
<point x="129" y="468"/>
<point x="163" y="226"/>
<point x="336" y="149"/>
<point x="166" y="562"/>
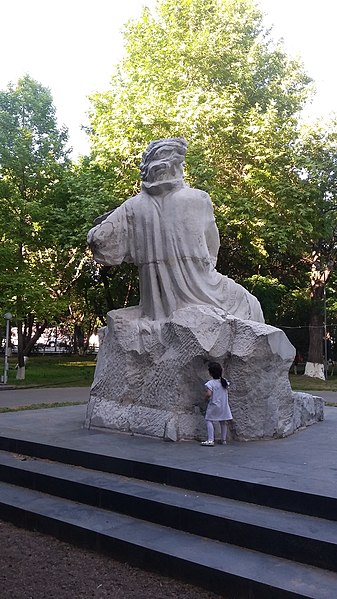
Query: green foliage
<point x="317" y="163"/>
<point x="271" y="293"/>
<point x="32" y="160"/>
<point x="204" y="69"/>
<point x="284" y="307"/>
<point x="317" y="159"/>
<point x="92" y="290"/>
<point x="32" y="147"/>
<point x="209" y="71"/>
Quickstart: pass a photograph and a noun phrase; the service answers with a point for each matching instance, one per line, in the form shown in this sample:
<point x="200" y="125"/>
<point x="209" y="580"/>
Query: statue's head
<point x="163" y="160"/>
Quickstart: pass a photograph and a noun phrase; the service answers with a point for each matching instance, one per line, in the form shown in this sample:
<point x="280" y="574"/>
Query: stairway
<point x="240" y="539"/>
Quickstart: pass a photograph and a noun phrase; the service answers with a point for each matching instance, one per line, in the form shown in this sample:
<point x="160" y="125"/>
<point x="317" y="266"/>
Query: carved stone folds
<point x="150" y="376"/>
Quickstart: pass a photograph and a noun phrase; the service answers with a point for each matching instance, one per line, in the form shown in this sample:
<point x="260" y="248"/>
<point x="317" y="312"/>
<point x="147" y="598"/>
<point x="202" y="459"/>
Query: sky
<point x="70" y="46"/>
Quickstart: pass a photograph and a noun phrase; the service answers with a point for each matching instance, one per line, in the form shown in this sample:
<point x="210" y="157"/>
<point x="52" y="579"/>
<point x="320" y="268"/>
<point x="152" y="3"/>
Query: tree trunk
<point x="107" y="291"/>
<point x="78" y="339"/>
<point x="35" y="337"/>
<point x="315" y="363"/>
<point x="316" y="329"/>
<point x="88" y="334"/>
<point x="28" y="329"/>
<point x="21" y="371"/>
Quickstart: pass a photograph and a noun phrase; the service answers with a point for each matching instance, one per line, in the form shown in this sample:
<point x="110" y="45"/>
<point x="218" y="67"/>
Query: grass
<point x="78" y="371"/>
<point x="301" y="382"/>
<point x="55" y="371"/>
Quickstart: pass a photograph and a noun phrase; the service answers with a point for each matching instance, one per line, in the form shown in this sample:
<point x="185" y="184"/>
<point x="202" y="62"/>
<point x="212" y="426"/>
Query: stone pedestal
<point x="150" y="376"/>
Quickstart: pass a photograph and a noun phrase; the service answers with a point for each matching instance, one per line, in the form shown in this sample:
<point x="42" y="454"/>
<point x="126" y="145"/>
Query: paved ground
<point x="46" y="568"/>
<point x="329" y="396"/>
<point x="37" y="566"/>
<point x="11" y="398"/>
<point x="306" y="460"/>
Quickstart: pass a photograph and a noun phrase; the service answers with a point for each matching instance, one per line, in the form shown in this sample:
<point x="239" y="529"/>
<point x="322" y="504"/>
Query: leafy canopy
<point x="209" y="70"/>
<point x="32" y="161"/>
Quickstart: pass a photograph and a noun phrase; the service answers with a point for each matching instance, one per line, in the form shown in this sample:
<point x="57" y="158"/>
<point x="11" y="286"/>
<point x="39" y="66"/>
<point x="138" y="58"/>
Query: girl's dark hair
<point x="215" y="370"/>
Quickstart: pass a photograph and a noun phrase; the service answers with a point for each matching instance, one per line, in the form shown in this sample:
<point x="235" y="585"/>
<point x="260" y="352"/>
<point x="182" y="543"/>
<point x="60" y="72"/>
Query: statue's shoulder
<point x="194" y="194"/>
<point x="135" y="198"/>
<point x="132" y="201"/>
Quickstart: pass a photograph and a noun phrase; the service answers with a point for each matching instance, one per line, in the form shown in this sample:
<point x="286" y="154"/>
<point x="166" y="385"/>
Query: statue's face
<point x="165" y="164"/>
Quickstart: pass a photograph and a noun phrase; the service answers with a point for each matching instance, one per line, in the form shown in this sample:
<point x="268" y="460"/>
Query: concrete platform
<point x="305" y="461"/>
<point x="255" y="520"/>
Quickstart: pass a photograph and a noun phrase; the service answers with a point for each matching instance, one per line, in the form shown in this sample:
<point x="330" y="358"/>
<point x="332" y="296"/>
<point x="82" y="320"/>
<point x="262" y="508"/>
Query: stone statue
<point x="168" y="230"/>
<point x="152" y="360"/>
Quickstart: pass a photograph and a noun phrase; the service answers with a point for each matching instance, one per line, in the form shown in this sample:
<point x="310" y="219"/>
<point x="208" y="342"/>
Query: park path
<point x="12" y="398"/>
<point x="18" y="397"/>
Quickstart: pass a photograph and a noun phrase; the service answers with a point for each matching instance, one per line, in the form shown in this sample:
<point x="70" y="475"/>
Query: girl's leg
<point x="210" y="431"/>
<point x="223" y="428"/>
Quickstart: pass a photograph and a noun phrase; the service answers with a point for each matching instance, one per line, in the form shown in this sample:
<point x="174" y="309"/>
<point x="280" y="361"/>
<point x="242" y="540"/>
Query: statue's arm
<point x="108" y="240"/>
<point x="103" y="217"/>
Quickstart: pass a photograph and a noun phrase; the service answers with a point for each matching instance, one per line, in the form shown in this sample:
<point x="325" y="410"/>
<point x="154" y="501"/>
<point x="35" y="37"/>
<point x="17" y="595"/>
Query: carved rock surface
<point x="150" y="376"/>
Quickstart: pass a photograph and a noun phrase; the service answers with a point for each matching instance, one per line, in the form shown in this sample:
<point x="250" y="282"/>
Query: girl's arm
<point x="208" y="394"/>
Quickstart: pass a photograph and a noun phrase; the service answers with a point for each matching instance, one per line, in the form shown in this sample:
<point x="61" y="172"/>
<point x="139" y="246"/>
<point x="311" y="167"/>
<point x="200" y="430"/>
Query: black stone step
<point x="293" y="500"/>
<point x="232" y="571"/>
<point x="301" y="538"/>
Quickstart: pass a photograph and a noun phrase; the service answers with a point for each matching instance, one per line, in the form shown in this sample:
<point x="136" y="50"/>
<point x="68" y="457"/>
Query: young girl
<point x="218" y="409"/>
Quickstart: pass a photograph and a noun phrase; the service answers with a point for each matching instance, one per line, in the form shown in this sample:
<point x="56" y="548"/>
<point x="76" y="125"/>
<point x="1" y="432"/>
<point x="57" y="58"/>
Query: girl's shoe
<point x="207" y="443"/>
<point x="223" y="442"/>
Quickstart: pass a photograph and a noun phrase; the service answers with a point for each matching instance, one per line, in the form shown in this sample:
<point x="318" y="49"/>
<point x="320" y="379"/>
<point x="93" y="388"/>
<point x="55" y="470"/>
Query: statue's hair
<point x="177" y="144"/>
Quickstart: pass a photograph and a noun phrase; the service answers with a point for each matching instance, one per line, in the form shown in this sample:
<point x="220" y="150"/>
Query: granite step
<point x="223" y="568"/>
<point x="269" y="495"/>
<point x="302" y="538"/>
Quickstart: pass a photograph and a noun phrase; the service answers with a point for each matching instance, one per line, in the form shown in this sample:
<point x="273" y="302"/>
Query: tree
<point x="32" y="162"/>
<point x="208" y="70"/>
<point x="317" y="151"/>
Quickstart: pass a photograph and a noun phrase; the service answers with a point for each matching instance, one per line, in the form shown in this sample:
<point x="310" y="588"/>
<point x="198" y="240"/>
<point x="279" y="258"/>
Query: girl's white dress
<point x="218" y="407"/>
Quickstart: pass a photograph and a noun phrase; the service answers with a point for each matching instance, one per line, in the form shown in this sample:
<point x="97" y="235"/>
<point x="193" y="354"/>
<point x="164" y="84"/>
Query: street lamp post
<point x="325" y="339"/>
<point x="8" y="318"/>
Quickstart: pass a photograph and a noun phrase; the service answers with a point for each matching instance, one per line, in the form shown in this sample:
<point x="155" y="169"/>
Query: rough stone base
<point x="150" y="376"/>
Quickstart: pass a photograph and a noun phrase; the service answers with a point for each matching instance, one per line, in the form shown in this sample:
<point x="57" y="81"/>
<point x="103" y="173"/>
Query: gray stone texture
<point x="152" y="362"/>
<point x="150" y="376"/>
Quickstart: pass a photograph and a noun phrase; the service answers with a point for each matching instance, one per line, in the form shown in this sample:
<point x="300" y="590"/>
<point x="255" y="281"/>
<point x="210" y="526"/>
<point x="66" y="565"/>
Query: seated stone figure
<point x="152" y="360"/>
<point x="168" y="230"/>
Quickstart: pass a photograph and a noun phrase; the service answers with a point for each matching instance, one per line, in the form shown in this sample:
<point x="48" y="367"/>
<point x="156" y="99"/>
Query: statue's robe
<point x="170" y="233"/>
